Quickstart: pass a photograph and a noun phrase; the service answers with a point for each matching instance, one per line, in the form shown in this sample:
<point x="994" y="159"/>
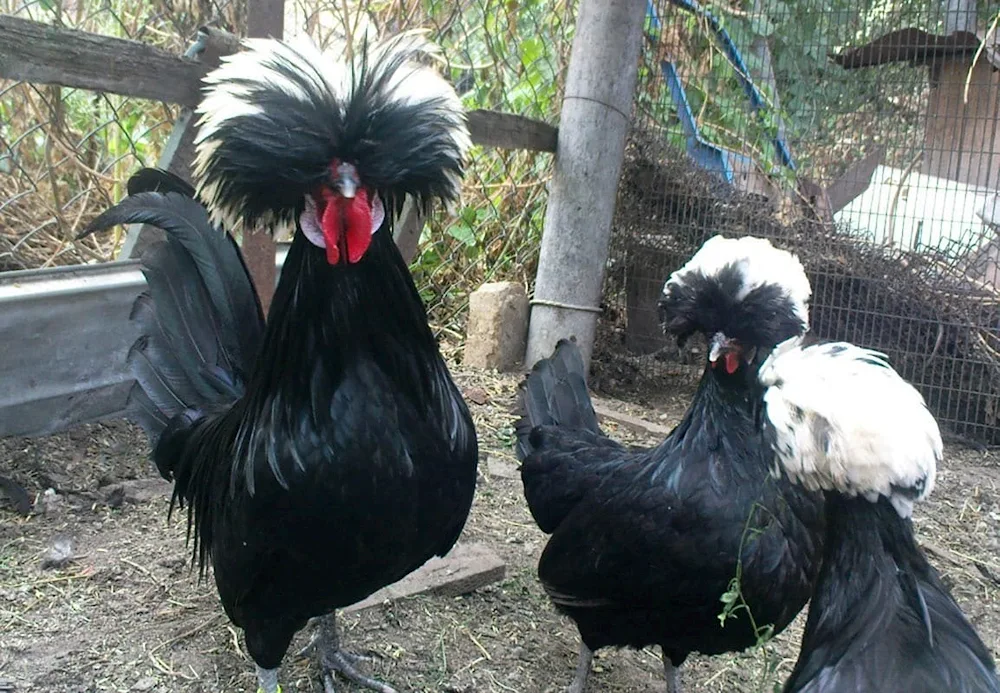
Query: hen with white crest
<point x="645" y="542"/>
<point x="327" y="453"/>
<point x="841" y="419"/>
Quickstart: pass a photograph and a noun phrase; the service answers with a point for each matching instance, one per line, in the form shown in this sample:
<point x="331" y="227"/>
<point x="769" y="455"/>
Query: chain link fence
<point x="66" y="154"/>
<point x="865" y="137"/>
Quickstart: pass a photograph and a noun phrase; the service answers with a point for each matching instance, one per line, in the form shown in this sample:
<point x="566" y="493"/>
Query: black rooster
<point x="645" y="543"/>
<point x="880" y="621"/>
<point x="328" y="453"/>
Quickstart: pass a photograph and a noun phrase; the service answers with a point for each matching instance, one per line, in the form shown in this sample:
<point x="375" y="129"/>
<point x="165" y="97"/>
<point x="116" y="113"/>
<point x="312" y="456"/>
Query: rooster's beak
<point x="346" y="180"/>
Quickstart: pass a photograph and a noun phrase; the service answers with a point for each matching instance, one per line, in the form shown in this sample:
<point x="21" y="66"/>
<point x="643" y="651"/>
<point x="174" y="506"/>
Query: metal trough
<point x="65" y="334"/>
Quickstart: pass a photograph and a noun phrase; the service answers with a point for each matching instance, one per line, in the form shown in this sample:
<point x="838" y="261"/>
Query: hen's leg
<point x="582" y="670"/>
<point x="332" y="659"/>
<point x="673" y="675"/>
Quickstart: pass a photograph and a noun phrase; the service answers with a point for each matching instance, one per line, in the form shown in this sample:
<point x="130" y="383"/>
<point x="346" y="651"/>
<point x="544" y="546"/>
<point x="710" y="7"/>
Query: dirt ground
<point x="126" y="614"/>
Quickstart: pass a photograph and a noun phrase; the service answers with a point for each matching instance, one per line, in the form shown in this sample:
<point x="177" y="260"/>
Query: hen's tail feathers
<point x="200" y="318"/>
<point x="555" y="394"/>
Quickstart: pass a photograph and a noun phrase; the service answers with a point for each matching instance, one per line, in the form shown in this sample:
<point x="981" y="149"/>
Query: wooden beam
<point x="509" y="131"/>
<point x="596" y="110"/>
<point x="46" y="54"/>
<point x="408" y="228"/>
<point x="265" y="19"/>
<point x="179" y="152"/>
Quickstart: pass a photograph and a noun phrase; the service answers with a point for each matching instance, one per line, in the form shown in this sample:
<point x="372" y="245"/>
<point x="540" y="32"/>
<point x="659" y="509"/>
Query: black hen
<point x="645" y="543"/>
<point x="880" y="620"/>
<point x="328" y="453"/>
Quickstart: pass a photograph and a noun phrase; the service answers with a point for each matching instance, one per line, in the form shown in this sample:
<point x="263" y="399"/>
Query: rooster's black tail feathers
<point x="555" y="394"/>
<point x="158" y="180"/>
<point x="200" y="318"/>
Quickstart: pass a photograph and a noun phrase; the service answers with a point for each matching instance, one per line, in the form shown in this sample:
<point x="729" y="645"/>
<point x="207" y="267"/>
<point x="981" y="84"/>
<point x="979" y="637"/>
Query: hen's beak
<point x="720" y="344"/>
<point x="726" y="348"/>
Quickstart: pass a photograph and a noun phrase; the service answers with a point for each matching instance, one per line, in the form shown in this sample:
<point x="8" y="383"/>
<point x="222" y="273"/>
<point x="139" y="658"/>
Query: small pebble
<point x="144" y="684"/>
<point x="59" y="555"/>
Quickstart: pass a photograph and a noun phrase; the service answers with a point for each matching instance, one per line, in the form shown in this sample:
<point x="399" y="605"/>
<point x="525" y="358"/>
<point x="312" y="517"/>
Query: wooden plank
<point x="466" y="568"/>
<point x="509" y="131"/>
<point x="854" y="180"/>
<point x="47" y="54"/>
<point x="604" y="410"/>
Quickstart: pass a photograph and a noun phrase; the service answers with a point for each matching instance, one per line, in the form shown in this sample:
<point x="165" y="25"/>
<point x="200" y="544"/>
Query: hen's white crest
<point x="843" y="420"/>
<point x="758" y="263"/>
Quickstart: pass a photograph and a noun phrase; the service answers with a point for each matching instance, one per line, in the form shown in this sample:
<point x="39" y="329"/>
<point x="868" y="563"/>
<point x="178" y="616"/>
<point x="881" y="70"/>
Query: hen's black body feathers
<point x="881" y="619"/>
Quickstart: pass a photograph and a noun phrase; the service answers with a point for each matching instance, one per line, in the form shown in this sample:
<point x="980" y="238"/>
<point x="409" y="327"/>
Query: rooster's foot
<point x="332" y="659"/>
<point x="673" y="675"/>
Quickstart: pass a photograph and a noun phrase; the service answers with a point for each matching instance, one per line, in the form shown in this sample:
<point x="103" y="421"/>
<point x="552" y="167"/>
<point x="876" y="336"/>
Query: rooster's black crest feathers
<point x="277" y="114"/>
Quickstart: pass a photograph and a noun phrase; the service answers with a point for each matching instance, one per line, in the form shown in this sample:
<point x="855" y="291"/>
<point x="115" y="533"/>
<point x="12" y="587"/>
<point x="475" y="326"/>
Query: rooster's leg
<point x="333" y="659"/>
<point x="267" y="681"/>
<point x="582" y="670"/>
<point x="673" y="675"/>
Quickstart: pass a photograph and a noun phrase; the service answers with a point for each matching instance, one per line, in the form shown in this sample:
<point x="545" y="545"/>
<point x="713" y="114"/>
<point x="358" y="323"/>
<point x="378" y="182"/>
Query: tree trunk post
<point x="596" y="111"/>
<point x="265" y="19"/>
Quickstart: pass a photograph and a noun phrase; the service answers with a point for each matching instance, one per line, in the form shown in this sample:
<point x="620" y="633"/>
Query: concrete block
<point x="498" y="326"/>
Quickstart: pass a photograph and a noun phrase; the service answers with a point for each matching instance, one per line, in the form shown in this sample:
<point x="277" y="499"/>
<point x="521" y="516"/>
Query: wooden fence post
<point x="596" y="111"/>
<point x="265" y="19"/>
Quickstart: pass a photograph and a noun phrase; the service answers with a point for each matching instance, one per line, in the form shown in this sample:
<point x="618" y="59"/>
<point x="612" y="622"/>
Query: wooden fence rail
<point x="44" y="54"/>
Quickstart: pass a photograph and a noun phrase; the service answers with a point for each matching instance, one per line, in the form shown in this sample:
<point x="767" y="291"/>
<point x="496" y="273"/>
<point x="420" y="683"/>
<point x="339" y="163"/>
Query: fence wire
<point x="66" y="154"/>
<point x="864" y="136"/>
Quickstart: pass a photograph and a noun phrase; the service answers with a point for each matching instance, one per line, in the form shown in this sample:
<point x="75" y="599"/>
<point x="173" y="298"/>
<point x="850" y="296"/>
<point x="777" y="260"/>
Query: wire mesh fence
<point x="861" y="134"/>
<point x="66" y="154"/>
<point x="865" y="136"/>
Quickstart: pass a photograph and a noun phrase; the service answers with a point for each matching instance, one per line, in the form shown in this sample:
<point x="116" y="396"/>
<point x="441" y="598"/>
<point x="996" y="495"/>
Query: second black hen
<point x="644" y="543"/>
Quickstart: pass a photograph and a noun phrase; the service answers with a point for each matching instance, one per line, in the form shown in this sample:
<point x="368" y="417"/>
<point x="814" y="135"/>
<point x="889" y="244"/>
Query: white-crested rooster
<point x="327" y="453"/>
